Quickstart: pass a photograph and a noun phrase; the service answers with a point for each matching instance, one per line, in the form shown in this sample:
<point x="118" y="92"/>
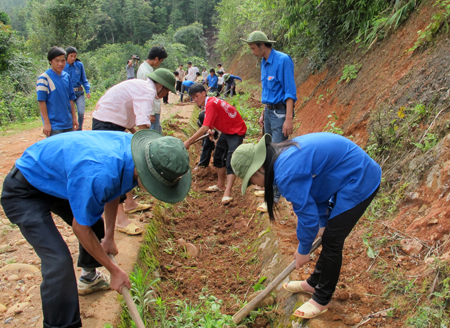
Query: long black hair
<point x="273" y="150"/>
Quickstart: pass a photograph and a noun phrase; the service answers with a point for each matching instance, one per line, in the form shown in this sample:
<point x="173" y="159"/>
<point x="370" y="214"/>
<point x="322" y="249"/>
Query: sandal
<point x="295" y="287"/>
<point x="262" y="207"/>
<point x="226" y="200"/>
<point x="139" y="208"/>
<point x="212" y="189"/>
<point x="131" y="229"/>
<point x="309" y="311"/>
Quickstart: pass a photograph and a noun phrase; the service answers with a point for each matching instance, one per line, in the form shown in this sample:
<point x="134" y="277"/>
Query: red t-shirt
<point x="221" y="115"/>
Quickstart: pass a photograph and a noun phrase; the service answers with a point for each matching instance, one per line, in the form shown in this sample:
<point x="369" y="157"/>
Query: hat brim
<point x="156" y="78"/>
<point x="162" y="192"/>
<point x="258" y="41"/>
<point x="258" y="160"/>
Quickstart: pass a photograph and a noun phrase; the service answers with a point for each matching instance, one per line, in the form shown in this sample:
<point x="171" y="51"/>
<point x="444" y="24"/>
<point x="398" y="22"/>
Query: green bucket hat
<point x="165" y="77"/>
<point x="162" y="164"/>
<point x="257" y="37"/>
<point x="248" y="158"/>
<point x="226" y="77"/>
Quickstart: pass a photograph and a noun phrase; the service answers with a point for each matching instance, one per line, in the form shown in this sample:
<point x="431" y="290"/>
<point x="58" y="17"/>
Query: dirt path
<point x="20" y="284"/>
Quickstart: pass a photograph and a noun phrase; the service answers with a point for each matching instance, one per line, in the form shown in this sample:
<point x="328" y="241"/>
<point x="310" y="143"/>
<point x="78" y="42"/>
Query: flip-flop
<point x="295" y="287"/>
<point x="262" y="207"/>
<point x="212" y="189"/>
<point x="226" y="200"/>
<point x="139" y="208"/>
<point x="259" y="193"/>
<point x="131" y="229"/>
<point x="309" y="311"/>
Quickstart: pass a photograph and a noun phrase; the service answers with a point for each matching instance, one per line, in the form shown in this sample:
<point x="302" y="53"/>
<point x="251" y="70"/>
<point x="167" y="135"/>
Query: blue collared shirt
<point x="277" y="78"/>
<point x="188" y="83"/>
<point x="57" y="92"/>
<point x="212" y="81"/>
<point x="325" y="166"/>
<point x="232" y="78"/>
<point x="88" y="168"/>
<point x="78" y="75"/>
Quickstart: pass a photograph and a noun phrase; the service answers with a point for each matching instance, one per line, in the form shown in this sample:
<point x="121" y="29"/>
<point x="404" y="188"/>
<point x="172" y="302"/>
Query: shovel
<point x="129" y="301"/>
<point x="237" y="318"/>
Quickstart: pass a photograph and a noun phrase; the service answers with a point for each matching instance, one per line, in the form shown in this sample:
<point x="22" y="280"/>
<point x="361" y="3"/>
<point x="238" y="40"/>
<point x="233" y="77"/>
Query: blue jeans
<point x="55" y="132"/>
<point x="273" y="123"/>
<point x="81" y="106"/>
<point x="157" y="125"/>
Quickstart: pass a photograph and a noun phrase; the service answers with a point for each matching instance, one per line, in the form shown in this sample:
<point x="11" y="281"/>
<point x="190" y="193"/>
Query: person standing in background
<point x="180" y="78"/>
<point x="204" y="74"/>
<point x="190" y="73"/>
<point x="75" y="68"/>
<point x="155" y="58"/>
<point x="131" y="64"/>
<point x="211" y="81"/>
<point x="56" y="96"/>
<point x="220" y="68"/>
<point x="220" y="82"/>
<point x="278" y="87"/>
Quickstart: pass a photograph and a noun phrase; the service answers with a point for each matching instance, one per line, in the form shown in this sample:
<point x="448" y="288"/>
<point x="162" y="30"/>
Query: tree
<point x="192" y="37"/>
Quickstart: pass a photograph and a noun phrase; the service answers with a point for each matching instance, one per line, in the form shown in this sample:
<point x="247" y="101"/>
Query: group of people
<point x="85" y="176"/>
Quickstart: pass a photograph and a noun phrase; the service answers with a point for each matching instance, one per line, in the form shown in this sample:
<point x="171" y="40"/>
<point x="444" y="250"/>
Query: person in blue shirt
<point x="186" y="85"/>
<point x="330" y="182"/>
<point x="278" y="87"/>
<point x="79" y="176"/>
<point x="75" y="68"/>
<point x="56" y="96"/>
<point x="230" y="84"/>
<point x="212" y="81"/>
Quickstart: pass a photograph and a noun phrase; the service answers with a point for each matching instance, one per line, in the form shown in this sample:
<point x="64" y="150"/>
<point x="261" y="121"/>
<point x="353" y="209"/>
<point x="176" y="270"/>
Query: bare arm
<point x="74" y="116"/>
<point x="47" y="125"/>
<point x="288" y="125"/>
<point x="90" y="242"/>
<point x="202" y="131"/>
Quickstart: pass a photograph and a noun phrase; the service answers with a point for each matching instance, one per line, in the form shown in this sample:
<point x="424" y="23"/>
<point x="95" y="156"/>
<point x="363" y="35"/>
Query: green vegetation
<point x="350" y="72"/>
<point x="249" y="114"/>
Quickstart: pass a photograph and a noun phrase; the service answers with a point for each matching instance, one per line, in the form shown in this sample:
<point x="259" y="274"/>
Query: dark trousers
<point x="225" y="147"/>
<point x="31" y="209"/>
<point x="178" y="87"/>
<point x="166" y="99"/>
<point x="205" y="157"/>
<point x="328" y="268"/>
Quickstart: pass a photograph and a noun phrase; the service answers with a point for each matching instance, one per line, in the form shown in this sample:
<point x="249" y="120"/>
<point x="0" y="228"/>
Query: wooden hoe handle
<point x="129" y="301"/>
<point x="237" y="318"/>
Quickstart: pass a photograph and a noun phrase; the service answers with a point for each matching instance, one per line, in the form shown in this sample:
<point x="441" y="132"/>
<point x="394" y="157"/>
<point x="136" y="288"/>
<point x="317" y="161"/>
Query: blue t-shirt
<point x="78" y="75"/>
<point x="277" y="78"/>
<point x="188" y="83"/>
<point x="212" y="81"/>
<point x="57" y="91"/>
<point x="232" y="78"/>
<point x="325" y="166"/>
<point x="88" y="168"/>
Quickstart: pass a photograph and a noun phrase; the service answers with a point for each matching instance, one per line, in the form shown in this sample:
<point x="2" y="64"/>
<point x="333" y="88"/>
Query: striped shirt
<point x="57" y="92"/>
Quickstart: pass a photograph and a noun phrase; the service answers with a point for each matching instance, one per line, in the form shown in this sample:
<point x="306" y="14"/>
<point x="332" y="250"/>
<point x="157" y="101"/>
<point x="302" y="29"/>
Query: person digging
<point x="225" y="118"/>
<point x="79" y="176"/>
<point x="309" y="171"/>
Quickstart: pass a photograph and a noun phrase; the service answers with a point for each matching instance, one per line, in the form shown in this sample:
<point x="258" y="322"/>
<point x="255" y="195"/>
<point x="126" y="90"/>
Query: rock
<point x="6" y="222"/>
<point x="28" y="276"/>
<point x="181" y="242"/>
<point x="7" y="321"/>
<point x="343" y="296"/>
<point x="432" y="221"/>
<point x="178" y="264"/>
<point x="20" y="242"/>
<point x="17" y="308"/>
<point x="411" y="246"/>
<point x="353" y="319"/>
<point x="72" y="239"/>
<point x="13" y="277"/>
<point x="268" y="301"/>
<point x="222" y="240"/>
<point x="19" y="267"/>
<point x="2" y="308"/>
<point x="191" y="250"/>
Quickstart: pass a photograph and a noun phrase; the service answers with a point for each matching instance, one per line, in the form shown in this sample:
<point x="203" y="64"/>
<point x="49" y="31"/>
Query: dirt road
<point x="20" y="304"/>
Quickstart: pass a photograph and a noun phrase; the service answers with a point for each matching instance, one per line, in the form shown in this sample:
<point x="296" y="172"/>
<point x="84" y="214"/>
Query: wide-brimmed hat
<point x="248" y="158"/>
<point x="226" y="77"/>
<point x="162" y="164"/>
<point x="165" y="77"/>
<point x="257" y="37"/>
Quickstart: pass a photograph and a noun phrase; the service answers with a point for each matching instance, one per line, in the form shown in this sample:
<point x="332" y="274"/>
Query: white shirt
<point x="220" y="81"/>
<point x="145" y="69"/>
<point x="128" y="104"/>
<point x="196" y="69"/>
<point x="204" y="74"/>
<point x="191" y="74"/>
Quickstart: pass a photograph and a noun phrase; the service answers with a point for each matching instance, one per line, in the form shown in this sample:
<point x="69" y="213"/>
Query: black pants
<point x="225" y="147"/>
<point x="31" y="209"/>
<point x="178" y="87"/>
<point x="166" y="99"/>
<point x="328" y="268"/>
<point x="205" y="157"/>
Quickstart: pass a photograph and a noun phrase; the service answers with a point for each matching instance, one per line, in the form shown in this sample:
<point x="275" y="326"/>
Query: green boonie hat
<point x="257" y="37"/>
<point x="162" y="164"/>
<point x="226" y="77"/>
<point x="248" y="158"/>
<point x="165" y="77"/>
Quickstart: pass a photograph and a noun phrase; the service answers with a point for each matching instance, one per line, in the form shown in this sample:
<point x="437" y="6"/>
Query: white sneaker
<point x="262" y="207"/>
<point x="100" y="282"/>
